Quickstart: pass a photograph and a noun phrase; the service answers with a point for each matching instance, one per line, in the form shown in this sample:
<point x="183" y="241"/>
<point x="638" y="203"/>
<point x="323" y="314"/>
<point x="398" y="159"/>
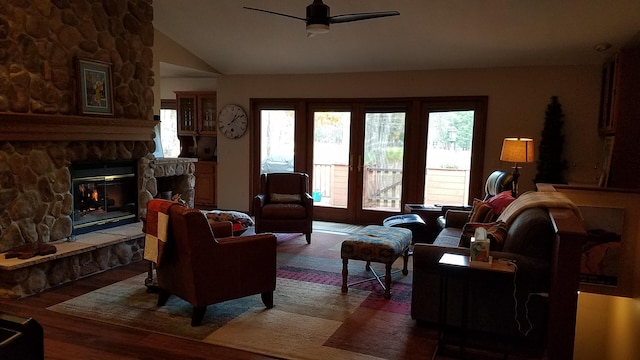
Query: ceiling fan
<point x="318" y="18"/>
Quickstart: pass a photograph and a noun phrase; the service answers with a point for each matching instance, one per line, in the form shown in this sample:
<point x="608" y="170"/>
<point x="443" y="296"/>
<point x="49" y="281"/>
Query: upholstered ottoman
<point x="412" y="222"/>
<point x="376" y="244"/>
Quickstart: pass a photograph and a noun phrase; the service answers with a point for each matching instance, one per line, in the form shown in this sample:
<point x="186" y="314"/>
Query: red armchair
<point x="202" y="269"/>
<point x="284" y="204"/>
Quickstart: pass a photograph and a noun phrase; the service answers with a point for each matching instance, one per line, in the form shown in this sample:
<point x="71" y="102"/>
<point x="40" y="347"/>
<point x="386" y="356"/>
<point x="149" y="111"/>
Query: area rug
<point x="311" y="319"/>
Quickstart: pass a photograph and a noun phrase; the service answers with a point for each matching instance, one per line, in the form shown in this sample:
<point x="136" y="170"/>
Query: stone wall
<point x="40" y="41"/>
<point x="35" y="184"/>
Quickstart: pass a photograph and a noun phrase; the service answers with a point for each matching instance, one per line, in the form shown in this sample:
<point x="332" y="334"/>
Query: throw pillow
<point x="285" y="198"/>
<point x="500" y="201"/>
<point x="496" y="233"/>
<point x="481" y="213"/>
<point x="236" y="217"/>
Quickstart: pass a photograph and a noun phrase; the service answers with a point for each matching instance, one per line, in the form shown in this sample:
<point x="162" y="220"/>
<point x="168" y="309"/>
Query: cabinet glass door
<point x="186" y="116"/>
<point x="208" y="115"/>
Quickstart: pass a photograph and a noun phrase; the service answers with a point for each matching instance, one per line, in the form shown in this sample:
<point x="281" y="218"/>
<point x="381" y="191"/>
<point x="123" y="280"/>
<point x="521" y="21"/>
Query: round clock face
<point x="232" y="121"/>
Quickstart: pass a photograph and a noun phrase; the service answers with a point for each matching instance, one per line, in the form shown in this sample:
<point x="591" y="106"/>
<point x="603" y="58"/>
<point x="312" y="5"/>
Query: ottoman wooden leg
<point x="387" y="281"/>
<point x="345" y="272"/>
<point x="405" y="260"/>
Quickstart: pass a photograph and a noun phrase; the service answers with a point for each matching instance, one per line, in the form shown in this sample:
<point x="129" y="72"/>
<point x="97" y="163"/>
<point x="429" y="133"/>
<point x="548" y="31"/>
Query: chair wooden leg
<point x="267" y="299"/>
<point x="163" y="296"/>
<point x="198" y="314"/>
<point x="308" y="236"/>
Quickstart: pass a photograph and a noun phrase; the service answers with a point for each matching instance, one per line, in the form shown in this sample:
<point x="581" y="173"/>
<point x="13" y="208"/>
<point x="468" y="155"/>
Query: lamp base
<point x="514" y="184"/>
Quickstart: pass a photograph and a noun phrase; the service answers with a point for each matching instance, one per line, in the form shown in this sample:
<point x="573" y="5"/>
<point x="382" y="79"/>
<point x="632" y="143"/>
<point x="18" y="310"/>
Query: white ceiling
<point x="428" y="34"/>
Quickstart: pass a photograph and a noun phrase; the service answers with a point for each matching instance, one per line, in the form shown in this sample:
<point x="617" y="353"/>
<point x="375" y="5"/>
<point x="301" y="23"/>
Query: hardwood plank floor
<point x="67" y="337"/>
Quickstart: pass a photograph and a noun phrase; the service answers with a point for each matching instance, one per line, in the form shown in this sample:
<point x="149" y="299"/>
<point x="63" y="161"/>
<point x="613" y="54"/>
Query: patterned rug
<point x="311" y="319"/>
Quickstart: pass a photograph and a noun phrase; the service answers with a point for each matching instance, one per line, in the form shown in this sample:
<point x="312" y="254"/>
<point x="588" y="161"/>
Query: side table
<point x="428" y="213"/>
<point x="449" y="265"/>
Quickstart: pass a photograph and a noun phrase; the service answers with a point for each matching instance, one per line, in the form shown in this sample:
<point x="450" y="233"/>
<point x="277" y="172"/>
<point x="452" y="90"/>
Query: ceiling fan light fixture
<point x="315" y="29"/>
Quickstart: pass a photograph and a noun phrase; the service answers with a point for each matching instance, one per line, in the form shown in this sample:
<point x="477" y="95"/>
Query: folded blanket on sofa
<point x="532" y="199"/>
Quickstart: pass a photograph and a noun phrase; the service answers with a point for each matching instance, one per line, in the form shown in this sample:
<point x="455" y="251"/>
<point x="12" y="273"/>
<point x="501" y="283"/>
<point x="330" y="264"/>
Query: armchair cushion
<point x="284" y="211"/>
<point x="284" y="198"/>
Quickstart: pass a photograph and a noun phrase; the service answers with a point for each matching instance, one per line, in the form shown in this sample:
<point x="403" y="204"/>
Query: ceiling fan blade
<point x="275" y="13"/>
<point x="360" y="16"/>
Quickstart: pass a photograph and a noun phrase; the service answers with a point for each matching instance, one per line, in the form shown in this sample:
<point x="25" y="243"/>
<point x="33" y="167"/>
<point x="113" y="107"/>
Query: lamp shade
<point x="517" y="150"/>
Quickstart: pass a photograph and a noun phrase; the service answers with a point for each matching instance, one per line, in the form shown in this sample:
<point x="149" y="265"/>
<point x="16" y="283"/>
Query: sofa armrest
<point x="456" y="218"/>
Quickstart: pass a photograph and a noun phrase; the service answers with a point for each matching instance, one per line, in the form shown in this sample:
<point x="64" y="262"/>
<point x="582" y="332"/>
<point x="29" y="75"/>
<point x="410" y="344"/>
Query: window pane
<point x="277" y="140"/>
<point x="331" y="136"/>
<point x="449" y="141"/>
<point x="383" y="154"/>
<point x="169" y="132"/>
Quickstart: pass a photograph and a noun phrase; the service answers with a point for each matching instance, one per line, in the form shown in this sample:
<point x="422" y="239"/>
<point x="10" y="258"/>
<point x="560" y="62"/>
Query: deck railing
<point x="383" y="186"/>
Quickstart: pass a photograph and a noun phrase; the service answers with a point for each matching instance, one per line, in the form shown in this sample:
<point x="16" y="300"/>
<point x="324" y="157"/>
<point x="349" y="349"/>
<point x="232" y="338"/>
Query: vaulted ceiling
<point x="428" y="34"/>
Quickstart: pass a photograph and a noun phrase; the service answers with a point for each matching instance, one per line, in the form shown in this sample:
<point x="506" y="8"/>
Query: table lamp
<point x="517" y="150"/>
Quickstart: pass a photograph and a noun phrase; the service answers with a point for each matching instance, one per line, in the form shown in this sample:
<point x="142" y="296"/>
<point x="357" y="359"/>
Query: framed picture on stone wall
<point x="95" y="89"/>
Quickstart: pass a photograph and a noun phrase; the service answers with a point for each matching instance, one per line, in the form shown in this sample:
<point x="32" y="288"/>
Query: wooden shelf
<point x="35" y="127"/>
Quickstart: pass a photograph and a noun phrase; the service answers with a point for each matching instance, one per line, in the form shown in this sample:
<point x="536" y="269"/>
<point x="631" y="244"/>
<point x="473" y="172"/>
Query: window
<point x="277" y="141"/>
<point x="169" y="129"/>
<point x="449" y="141"/>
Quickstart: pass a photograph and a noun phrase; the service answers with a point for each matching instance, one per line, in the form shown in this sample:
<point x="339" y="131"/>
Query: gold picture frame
<point x="95" y="89"/>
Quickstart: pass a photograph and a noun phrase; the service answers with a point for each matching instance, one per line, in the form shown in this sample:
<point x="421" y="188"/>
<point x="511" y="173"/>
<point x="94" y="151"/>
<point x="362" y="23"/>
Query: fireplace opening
<point x="104" y="195"/>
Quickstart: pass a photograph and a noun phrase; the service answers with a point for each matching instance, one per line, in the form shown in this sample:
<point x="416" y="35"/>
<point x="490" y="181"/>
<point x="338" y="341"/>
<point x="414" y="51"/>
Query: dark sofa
<point x="514" y="309"/>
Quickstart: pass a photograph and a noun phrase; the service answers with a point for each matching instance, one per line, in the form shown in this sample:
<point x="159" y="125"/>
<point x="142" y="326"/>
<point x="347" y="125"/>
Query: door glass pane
<point x="277" y="140"/>
<point x="449" y="141"/>
<point x="331" y="136"/>
<point x="382" y="162"/>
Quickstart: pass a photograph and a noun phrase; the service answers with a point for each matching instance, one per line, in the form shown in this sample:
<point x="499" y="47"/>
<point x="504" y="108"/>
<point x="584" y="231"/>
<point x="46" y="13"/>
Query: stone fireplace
<point x="44" y="136"/>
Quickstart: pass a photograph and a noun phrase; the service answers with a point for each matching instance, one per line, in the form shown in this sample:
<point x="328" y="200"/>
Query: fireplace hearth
<point x="104" y="195"/>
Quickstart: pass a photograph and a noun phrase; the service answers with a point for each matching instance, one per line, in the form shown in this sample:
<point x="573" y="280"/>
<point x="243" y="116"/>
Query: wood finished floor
<point x="67" y="337"/>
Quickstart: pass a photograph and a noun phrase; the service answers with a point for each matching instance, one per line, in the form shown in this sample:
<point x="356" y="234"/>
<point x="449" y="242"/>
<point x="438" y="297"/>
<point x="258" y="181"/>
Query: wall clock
<point x="232" y="121"/>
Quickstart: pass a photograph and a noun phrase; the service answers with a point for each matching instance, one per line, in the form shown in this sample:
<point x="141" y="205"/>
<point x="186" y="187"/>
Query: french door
<point x="367" y="158"/>
<point x="357" y="161"/>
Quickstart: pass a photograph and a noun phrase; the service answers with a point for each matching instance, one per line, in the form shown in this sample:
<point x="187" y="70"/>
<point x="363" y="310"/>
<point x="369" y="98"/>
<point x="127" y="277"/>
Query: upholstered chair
<point x="284" y="204"/>
<point x="202" y="269"/>
<point x="497" y="182"/>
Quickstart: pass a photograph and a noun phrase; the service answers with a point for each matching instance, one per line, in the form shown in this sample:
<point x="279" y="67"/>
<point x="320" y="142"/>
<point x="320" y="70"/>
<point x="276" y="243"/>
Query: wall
<point x="607" y="327"/>
<point x="169" y="52"/>
<point x="518" y="98"/>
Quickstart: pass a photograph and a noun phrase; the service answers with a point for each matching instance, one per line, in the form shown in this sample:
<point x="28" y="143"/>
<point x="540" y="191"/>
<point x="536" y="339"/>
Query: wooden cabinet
<point x="206" y="183"/>
<point x="620" y="116"/>
<point x="196" y="113"/>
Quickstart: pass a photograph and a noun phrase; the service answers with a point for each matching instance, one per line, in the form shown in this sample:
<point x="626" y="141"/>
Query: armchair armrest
<point x="222" y="229"/>
<point x="307" y="199"/>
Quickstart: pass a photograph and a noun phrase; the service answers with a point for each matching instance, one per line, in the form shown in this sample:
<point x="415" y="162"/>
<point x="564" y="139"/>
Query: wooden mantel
<point x="36" y="127"/>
